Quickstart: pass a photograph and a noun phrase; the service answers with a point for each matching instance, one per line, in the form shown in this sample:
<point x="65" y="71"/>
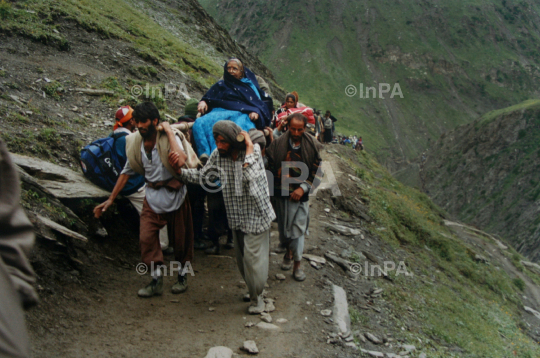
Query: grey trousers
<point x="293" y="222"/>
<point x="252" y="251"/>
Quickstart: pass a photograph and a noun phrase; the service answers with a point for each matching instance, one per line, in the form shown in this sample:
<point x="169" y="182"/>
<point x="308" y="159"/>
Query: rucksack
<point x="328" y="123"/>
<point x="100" y="162"/>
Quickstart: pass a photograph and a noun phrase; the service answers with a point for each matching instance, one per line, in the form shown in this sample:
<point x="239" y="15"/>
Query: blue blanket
<point x="202" y="129"/>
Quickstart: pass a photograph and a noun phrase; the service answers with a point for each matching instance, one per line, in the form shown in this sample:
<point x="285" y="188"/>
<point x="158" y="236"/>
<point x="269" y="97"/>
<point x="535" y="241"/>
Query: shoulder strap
<point x="133" y="152"/>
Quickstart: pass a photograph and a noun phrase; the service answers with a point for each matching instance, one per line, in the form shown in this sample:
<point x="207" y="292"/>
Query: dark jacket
<point x="235" y="95"/>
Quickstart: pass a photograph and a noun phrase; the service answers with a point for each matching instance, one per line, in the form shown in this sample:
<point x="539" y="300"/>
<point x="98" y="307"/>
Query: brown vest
<point x="134" y="155"/>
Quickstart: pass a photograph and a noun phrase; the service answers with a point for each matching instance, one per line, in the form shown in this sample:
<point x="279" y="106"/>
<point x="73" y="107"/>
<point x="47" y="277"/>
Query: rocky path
<point x="108" y="319"/>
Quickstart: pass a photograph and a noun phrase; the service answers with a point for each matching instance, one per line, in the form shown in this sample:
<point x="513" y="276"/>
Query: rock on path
<point x="219" y="352"/>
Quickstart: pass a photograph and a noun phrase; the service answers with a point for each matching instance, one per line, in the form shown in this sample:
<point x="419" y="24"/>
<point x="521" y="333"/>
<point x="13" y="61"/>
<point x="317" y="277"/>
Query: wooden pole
<point x="184" y="126"/>
<point x="240" y="137"/>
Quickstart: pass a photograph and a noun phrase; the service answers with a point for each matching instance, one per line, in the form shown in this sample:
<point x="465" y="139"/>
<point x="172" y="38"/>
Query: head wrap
<point x="227" y="129"/>
<point x="236" y="95"/>
<point x="257" y="137"/>
<point x="123" y="114"/>
<point x="290" y="95"/>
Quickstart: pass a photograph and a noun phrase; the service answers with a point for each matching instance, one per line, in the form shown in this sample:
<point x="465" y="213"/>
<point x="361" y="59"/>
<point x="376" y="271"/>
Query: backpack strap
<point x="133" y="152"/>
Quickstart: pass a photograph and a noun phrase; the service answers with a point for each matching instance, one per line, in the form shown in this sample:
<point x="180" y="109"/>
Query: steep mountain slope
<point x="486" y="173"/>
<point x="465" y="297"/>
<point x="164" y="51"/>
<point x="452" y="60"/>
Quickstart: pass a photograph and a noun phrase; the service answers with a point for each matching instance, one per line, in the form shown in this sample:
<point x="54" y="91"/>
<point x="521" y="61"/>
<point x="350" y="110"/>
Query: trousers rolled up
<point x="137" y="199"/>
<point x="252" y="252"/>
<point x="293" y="222"/>
<point x="180" y="230"/>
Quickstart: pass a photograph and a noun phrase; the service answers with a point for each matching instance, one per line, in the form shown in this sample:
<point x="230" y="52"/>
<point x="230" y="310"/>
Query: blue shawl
<point x="235" y="95"/>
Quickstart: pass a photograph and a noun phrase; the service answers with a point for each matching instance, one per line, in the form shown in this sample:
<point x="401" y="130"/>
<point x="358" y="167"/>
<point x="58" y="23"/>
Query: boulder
<point x="62" y="182"/>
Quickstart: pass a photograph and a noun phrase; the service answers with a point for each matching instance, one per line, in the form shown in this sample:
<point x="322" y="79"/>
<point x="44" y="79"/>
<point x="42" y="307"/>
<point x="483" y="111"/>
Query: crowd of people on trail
<point x="355" y="142"/>
<point x="236" y="161"/>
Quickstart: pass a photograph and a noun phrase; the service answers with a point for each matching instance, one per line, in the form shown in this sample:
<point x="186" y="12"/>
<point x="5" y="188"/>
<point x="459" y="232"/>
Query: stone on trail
<point x="219" y="352"/>
<point x="313" y="258"/>
<point x="268" y="326"/>
<point x="341" y="310"/>
<point x="282" y="320"/>
<point x="373" y="353"/>
<point x="373" y="338"/>
<point x="249" y="324"/>
<point x="326" y="313"/>
<point x="361" y="338"/>
<point x="280" y="276"/>
<point x="250" y="347"/>
<point x="266" y="317"/>
<point x="408" y="347"/>
<point x="344" y="230"/>
<point x="269" y="305"/>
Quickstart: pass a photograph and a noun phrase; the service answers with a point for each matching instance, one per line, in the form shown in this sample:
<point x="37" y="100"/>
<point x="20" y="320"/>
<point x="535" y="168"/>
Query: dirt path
<point x="112" y="321"/>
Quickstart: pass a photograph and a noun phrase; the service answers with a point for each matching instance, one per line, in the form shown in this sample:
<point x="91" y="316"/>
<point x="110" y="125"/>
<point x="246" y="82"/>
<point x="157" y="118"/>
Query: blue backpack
<point x="100" y="162"/>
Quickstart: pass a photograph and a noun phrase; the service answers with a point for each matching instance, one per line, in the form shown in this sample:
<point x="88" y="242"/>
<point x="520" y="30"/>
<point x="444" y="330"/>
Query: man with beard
<point x="294" y="160"/>
<point x="240" y="170"/>
<point x="147" y="154"/>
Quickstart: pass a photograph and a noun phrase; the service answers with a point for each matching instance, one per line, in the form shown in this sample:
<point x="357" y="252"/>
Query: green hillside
<point x="452" y="60"/>
<point x="486" y="173"/>
<point x="460" y="299"/>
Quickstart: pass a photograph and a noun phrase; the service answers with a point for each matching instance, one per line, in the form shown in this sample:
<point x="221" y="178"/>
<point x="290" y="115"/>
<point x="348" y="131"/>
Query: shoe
<point x="257" y="306"/>
<point x="299" y="275"/>
<point x="214" y="250"/>
<point x="199" y="245"/>
<point x="229" y="245"/>
<point x="286" y="264"/>
<point x="246" y="298"/>
<point x="180" y="286"/>
<point x="154" y="288"/>
<point x="168" y="251"/>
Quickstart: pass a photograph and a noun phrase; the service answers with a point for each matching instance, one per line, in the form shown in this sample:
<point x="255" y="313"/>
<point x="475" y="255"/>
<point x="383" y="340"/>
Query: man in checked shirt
<point x="247" y="202"/>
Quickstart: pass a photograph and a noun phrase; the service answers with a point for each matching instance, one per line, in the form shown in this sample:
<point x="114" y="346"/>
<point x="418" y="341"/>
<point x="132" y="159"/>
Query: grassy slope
<point x="480" y="38"/>
<point x="458" y="301"/>
<point x="36" y="19"/>
<point x="487" y="173"/>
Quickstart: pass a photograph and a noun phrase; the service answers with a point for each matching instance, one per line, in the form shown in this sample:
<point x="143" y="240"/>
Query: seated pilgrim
<point x="238" y="98"/>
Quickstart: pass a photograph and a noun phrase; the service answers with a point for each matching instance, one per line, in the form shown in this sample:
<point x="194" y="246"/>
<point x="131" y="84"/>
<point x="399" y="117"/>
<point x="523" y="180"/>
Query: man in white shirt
<point x="147" y="154"/>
